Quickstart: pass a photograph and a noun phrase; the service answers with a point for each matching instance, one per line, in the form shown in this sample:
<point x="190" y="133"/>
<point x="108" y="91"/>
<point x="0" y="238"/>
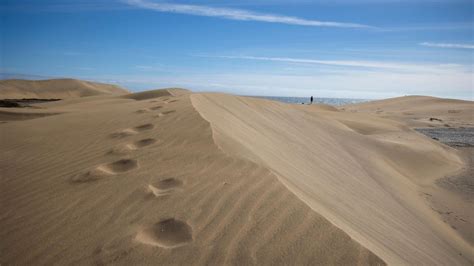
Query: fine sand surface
<point x="115" y="180"/>
<point x="421" y="111"/>
<point x="169" y="177"/>
<point x="363" y="173"/>
<point x="452" y="196"/>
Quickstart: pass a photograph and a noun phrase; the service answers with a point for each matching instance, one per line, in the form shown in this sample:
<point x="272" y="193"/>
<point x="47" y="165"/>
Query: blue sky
<point x="339" y="48"/>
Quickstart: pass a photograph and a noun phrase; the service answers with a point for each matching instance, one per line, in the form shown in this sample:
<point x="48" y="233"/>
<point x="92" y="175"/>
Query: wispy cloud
<point x="352" y="63"/>
<point x="448" y="45"/>
<point x="238" y="14"/>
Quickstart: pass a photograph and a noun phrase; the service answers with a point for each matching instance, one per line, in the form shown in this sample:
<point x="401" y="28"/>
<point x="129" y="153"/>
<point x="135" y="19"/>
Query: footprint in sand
<point x="123" y="133"/>
<point x="164" y="187"/>
<point x="173" y="101"/>
<point x="144" y="142"/>
<point x="128" y="147"/>
<point x="120" y="166"/>
<point x="168" y="233"/>
<point x="164" y="113"/>
<point x="131" y="131"/>
<point x="101" y="171"/>
<point x="156" y="107"/>
<point x="142" y="111"/>
<point x="144" y="127"/>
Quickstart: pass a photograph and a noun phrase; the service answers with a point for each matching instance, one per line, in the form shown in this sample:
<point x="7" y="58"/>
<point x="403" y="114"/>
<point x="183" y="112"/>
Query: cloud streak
<point x="238" y="14"/>
<point x="360" y="64"/>
<point x="448" y="45"/>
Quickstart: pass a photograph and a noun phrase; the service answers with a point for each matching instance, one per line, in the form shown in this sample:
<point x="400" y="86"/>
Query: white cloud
<point x="448" y="45"/>
<point x="238" y="14"/>
<point x="396" y="66"/>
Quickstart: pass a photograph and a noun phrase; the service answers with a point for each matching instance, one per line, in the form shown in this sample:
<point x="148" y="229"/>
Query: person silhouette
<point x="311" y="100"/>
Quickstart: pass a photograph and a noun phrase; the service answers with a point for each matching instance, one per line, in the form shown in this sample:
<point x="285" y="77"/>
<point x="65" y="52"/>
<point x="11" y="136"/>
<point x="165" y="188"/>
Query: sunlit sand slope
<point x="362" y="173"/>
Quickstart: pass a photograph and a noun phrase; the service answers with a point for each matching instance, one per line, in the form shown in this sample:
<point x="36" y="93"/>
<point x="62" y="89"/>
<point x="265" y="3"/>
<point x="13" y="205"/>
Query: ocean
<point x="305" y="100"/>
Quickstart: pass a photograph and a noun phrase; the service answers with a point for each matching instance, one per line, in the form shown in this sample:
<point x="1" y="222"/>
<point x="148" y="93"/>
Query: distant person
<point x="311" y="100"/>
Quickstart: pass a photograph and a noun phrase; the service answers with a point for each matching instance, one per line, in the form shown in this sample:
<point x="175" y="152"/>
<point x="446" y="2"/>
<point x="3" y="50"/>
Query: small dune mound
<point x="173" y="101"/>
<point x="123" y="133"/>
<point x="144" y="142"/>
<point x="156" y="107"/>
<point x="325" y="107"/>
<point x="120" y="166"/>
<point x="144" y="127"/>
<point x="168" y="233"/>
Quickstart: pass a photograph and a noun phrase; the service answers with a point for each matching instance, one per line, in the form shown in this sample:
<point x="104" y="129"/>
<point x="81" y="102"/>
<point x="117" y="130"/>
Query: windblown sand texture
<point x="218" y="179"/>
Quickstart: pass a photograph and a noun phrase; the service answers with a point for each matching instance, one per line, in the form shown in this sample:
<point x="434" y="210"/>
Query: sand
<point x="448" y="121"/>
<point x="173" y="177"/>
<point x="363" y="173"/>
<point x="421" y="111"/>
<point x="55" y="89"/>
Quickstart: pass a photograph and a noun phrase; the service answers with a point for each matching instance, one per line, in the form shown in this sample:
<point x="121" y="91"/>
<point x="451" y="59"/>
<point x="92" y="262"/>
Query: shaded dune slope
<point x="105" y="184"/>
<point x="362" y="173"/>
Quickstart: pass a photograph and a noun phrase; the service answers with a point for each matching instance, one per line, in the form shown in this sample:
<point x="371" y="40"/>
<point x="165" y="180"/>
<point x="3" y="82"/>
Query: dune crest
<point x="56" y="88"/>
<point x="362" y="173"/>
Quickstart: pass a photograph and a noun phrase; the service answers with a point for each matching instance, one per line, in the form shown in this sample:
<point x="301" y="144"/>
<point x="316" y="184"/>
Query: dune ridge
<point x="364" y="174"/>
<point x="55" y="88"/>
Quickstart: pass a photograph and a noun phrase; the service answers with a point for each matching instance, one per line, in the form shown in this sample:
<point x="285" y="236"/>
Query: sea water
<point x="306" y="100"/>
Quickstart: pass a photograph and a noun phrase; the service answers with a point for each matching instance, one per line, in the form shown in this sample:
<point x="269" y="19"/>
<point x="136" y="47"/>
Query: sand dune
<point x="99" y="183"/>
<point x="55" y="89"/>
<point x="171" y="177"/>
<point x="361" y="172"/>
<point x="416" y="111"/>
